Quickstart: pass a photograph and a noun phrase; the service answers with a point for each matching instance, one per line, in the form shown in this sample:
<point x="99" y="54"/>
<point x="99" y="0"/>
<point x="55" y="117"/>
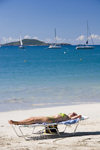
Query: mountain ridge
<point x="31" y="42"/>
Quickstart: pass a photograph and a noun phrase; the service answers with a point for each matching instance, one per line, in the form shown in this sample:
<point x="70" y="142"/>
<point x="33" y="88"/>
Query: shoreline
<point x="87" y="135"/>
<point x="85" y="109"/>
<point x="43" y="106"/>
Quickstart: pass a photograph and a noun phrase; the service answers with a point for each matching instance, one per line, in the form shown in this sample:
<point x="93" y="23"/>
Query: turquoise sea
<point x="40" y="77"/>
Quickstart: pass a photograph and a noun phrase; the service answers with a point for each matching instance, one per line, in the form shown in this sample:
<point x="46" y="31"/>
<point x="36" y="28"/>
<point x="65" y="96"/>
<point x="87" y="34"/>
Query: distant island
<point x="31" y="42"/>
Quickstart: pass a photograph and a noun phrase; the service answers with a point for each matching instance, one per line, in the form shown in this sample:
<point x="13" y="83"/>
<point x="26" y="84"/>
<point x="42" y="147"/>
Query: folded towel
<point x="84" y="117"/>
<point x="70" y="121"/>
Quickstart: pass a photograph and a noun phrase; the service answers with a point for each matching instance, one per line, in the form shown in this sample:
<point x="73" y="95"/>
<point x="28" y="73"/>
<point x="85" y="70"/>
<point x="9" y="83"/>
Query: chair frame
<point x="41" y="132"/>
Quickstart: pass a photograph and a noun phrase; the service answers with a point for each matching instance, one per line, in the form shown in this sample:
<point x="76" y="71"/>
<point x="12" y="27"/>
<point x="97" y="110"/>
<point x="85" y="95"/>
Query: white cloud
<point x="80" y="38"/>
<point x="58" y="39"/>
<point x="27" y="37"/>
<point x="95" y="36"/>
<point x="35" y="37"/>
<point x="30" y="37"/>
<point x="48" y="40"/>
<point x="8" y="39"/>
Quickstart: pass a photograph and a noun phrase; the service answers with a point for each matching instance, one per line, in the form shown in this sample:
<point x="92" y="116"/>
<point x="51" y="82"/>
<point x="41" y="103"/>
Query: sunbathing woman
<point x="51" y="119"/>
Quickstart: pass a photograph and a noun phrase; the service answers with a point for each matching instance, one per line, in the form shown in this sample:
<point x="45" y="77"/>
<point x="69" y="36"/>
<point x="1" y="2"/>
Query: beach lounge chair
<point x="46" y="126"/>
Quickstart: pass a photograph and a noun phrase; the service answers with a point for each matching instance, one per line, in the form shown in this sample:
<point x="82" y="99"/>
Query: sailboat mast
<point x="87" y="33"/>
<point x="55" y="35"/>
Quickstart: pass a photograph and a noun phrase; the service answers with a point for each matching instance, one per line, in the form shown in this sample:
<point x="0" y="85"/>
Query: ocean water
<point x="40" y="77"/>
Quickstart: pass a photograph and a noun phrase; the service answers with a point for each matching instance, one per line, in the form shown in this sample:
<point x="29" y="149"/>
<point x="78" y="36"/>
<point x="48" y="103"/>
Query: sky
<point x="37" y="19"/>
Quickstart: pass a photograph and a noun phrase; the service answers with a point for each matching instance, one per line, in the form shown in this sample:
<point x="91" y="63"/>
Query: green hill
<point x="26" y="42"/>
<point x="31" y="42"/>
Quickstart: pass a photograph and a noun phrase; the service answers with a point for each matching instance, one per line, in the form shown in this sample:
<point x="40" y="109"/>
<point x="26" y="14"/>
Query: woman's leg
<point x="29" y="121"/>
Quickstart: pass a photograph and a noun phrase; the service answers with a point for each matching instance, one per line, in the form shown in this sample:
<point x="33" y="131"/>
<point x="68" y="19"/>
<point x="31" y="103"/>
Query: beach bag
<point x="52" y="129"/>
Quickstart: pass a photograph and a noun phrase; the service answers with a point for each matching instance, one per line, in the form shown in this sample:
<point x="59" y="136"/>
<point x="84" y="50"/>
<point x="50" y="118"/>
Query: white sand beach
<point x="87" y="136"/>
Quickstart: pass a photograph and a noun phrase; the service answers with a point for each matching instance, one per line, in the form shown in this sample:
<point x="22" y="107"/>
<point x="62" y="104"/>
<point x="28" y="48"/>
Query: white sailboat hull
<point x="54" y="46"/>
<point x="85" y="47"/>
<point x="21" y="46"/>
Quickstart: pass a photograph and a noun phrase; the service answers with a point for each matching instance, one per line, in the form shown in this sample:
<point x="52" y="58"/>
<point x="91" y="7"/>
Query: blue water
<point x="40" y="77"/>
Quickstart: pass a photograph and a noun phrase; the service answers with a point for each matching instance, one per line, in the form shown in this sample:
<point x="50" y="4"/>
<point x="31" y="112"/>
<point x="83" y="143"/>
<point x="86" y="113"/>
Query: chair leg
<point x="70" y="126"/>
<point x="65" y="129"/>
<point x="24" y="136"/>
<point x="21" y="133"/>
<point x="33" y="130"/>
<point x="75" y="128"/>
<point x="15" y="131"/>
<point x="58" y="132"/>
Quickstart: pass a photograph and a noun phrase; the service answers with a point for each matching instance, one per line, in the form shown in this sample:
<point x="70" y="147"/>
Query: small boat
<point x="86" y="46"/>
<point x="54" y="45"/>
<point x="21" y="44"/>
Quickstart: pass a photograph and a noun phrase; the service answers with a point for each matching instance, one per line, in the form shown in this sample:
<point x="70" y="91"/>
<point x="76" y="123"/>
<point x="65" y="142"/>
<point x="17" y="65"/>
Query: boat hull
<point x="85" y="47"/>
<point x="54" y="47"/>
<point x="22" y="47"/>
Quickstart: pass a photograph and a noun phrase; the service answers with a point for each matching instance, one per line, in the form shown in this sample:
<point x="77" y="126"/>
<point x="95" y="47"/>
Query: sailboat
<point x="21" y="43"/>
<point x="86" y="46"/>
<point x="54" y="45"/>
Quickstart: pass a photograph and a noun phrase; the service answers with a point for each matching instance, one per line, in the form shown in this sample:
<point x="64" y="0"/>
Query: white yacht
<point x="54" y="45"/>
<point x="86" y="46"/>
